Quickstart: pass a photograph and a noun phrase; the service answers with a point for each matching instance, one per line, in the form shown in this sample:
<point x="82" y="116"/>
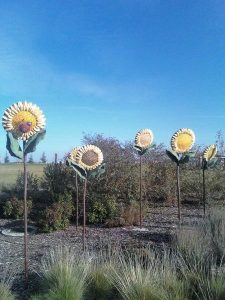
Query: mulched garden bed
<point x="161" y="224"/>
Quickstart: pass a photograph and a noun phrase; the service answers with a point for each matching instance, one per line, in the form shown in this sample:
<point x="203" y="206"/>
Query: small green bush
<point x="14" y="208"/>
<point x="33" y="183"/>
<point x="58" y="179"/>
<point x="102" y="209"/>
<point x="57" y="214"/>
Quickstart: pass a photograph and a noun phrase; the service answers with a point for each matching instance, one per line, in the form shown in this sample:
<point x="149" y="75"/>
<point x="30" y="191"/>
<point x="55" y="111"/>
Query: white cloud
<point x="22" y="76"/>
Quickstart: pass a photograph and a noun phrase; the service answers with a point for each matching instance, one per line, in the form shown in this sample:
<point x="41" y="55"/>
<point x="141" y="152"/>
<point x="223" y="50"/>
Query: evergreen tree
<point x="30" y="159"/>
<point x="6" y="159"/>
<point x="43" y="158"/>
<point x="220" y="142"/>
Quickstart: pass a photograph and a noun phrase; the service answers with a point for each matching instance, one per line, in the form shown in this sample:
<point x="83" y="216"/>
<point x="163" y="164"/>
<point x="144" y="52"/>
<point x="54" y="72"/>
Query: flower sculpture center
<point x="25" y="127"/>
<point x="184" y="141"/>
<point x="25" y="121"/>
<point x="145" y="139"/>
<point x="90" y="158"/>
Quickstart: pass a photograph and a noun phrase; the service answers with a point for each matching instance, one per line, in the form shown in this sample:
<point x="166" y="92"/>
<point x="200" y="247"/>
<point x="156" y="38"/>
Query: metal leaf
<point x="191" y="154"/>
<point x="33" y="141"/>
<point x="68" y="162"/>
<point x="184" y="159"/>
<point x="172" y="155"/>
<point x="97" y="172"/>
<point x="138" y="148"/>
<point x="12" y="145"/>
<point x="213" y="162"/>
<point x="80" y="171"/>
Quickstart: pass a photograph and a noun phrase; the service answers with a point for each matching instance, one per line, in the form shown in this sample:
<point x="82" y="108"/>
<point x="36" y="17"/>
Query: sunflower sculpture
<point x="209" y="160"/>
<point x="142" y="143"/>
<point x="181" y="143"/>
<point x="143" y="140"/>
<point x="87" y="161"/>
<point x="23" y="121"/>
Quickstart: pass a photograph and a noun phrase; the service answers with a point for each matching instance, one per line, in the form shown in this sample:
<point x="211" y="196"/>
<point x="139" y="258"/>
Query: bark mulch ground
<point x="161" y="224"/>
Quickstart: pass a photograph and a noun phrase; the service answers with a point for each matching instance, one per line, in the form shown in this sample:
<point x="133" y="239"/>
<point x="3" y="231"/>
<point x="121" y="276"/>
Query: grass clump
<point x="64" y="275"/>
<point x="100" y="287"/>
<point x="201" y="257"/>
<point x="5" y="292"/>
<point x="5" y="285"/>
<point x="192" y="269"/>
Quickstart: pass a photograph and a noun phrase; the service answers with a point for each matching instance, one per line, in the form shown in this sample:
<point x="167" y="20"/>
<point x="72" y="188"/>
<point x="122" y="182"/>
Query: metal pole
<point x="203" y="191"/>
<point x="25" y="215"/>
<point x="77" y="202"/>
<point x="178" y="193"/>
<point x="84" y="215"/>
<point x="140" y="191"/>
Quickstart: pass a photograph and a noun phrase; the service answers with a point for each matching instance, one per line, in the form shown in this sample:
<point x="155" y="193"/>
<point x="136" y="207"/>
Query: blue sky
<point x="114" y="67"/>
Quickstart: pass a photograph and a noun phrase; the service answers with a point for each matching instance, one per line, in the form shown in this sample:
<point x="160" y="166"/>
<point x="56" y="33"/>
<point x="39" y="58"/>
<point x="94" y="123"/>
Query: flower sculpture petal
<point x="89" y="157"/>
<point x="23" y="120"/>
<point x="72" y="155"/>
<point x="144" y="138"/>
<point x="210" y="152"/>
<point x="182" y="140"/>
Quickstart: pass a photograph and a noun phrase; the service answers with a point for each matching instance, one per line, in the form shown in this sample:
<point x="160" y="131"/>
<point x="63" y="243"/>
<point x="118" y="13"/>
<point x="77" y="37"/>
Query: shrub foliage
<point x="113" y="197"/>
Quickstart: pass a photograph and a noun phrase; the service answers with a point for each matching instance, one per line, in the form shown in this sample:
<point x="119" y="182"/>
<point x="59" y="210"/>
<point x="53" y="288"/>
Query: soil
<point x="160" y="226"/>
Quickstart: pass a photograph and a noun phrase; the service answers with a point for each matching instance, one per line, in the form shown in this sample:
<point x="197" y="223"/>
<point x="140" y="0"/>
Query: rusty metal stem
<point x="84" y="215"/>
<point x="178" y="193"/>
<point x="140" y="191"/>
<point x="77" y="202"/>
<point x="203" y="191"/>
<point x="25" y="216"/>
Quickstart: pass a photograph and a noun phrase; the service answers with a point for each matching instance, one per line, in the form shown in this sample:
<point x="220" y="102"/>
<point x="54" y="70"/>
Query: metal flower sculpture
<point x="87" y="161"/>
<point x="209" y="160"/>
<point x="181" y="143"/>
<point x="23" y="121"/>
<point x="142" y="143"/>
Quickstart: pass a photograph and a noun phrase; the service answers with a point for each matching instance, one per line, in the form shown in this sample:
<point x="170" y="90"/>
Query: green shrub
<point x="14" y="208"/>
<point x="159" y="181"/>
<point x="33" y="183"/>
<point x="102" y="209"/>
<point x="58" y="179"/>
<point x="57" y="214"/>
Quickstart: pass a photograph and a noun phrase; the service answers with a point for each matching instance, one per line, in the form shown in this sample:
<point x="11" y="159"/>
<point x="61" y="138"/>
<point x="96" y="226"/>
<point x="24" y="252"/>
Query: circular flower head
<point x="89" y="157"/>
<point x="23" y="119"/>
<point x="210" y="152"/>
<point x="144" y="138"/>
<point x="72" y="155"/>
<point x="182" y="140"/>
